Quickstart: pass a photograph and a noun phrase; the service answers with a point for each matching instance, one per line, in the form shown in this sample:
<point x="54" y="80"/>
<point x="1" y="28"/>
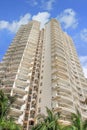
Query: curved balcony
<point x="57" y="109"/>
<point x="81" y="98"/>
<point x="15" y="112"/>
<point x="66" y="105"/>
<point x="10" y="74"/>
<point x="19" y="101"/>
<point x="62" y="75"/>
<point x="20" y="91"/>
<point x="21" y="83"/>
<point x="56" y="87"/>
<point x="67" y="110"/>
<point x="65" y="88"/>
<point x="65" y="123"/>
<point x="66" y="94"/>
<point x="56" y="97"/>
<point x="84" y="115"/>
<point x="83" y="107"/>
<point x="22" y="76"/>
<point x="67" y="99"/>
<point x="64" y="82"/>
<point x="8" y="82"/>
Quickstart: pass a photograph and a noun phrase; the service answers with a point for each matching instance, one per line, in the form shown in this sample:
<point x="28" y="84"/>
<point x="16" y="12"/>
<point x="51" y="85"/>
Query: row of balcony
<point x="32" y="95"/>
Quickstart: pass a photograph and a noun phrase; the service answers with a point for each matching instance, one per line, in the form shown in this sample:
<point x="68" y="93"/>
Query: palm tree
<point x="77" y="121"/>
<point x="49" y="122"/>
<point x="3" y="104"/>
<point x="7" y="123"/>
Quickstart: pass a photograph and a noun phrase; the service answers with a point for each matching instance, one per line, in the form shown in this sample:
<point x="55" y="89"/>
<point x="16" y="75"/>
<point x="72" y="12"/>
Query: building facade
<point x="41" y="68"/>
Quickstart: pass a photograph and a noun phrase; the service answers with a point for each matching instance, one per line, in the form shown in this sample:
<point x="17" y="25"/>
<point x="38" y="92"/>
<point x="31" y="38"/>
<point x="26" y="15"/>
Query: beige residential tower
<point x="41" y="68"/>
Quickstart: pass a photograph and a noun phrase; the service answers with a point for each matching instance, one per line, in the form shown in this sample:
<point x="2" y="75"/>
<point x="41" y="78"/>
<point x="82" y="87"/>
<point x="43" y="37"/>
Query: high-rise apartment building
<point x="41" y="68"/>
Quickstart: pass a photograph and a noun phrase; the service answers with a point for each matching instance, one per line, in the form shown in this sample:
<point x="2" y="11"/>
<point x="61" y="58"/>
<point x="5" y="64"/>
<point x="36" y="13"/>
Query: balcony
<point x="7" y="83"/>
<point x="24" y="71"/>
<point x="20" y="82"/>
<point x="3" y="68"/>
<point x="16" y="106"/>
<point x="66" y="105"/>
<point x="8" y="79"/>
<point x="56" y="87"/>
<point x="67" y="99"/>
<point x="84" y="115"/>
<point x="17" y="95"/>
<point x="19" y="101"/>
<point x="57" y="109"/>
<point x="63" y="75"/>
<point x="68" y="110"/>
<point x="10" y="74"/>
<point x="55" y="80"/>
<point x="56" y="97"/>
<point x="18" y="90"/>
<point x="15" y="112"/>
<point x="65" y="88"/>
<point x="13" y="67"/>
<point x="65" y="123"/>
<point x="22" y="76"/>
<point x="66" y="94"/>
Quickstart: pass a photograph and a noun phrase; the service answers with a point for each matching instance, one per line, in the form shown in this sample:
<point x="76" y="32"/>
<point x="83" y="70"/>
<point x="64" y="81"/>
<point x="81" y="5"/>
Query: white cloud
<point x="83" y="60"/>
<point x="83" y="35"/>
<point x="85" y="71"/>
<point x="42" y="17"/>
<point x="44" y="4"/>
<point x="68" y="19"/>
<point x="32" y="2"/>
<point x="14" y="25"/>
<point x="3" y="24"/>
<point x="47" y="5"/>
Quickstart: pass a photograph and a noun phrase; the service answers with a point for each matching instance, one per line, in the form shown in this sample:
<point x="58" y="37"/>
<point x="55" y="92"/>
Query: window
<point x="41" y="77"/>
<point x="31" y="122"/>
<point x="39" y="100"/>
<point x="39" y="110"/>
<point x="40" y="91"/>
<point x="41" y="84"/>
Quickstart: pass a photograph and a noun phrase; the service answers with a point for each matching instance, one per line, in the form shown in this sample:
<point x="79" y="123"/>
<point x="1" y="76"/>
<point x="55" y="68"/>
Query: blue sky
<point x="72" y="15"/>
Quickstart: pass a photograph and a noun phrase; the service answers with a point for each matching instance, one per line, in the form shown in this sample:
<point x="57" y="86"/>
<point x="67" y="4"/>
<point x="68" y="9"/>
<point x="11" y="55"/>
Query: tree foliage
<point x="7" y="123"/>
<point x="50" y="122"/>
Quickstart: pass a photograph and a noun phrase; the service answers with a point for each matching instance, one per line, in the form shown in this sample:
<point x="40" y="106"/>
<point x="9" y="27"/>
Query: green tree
<point x="49" y="122"/>
<point x="3" y="104"/>
<point x="7" y="123"/>
<point x="77" y="122"/>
